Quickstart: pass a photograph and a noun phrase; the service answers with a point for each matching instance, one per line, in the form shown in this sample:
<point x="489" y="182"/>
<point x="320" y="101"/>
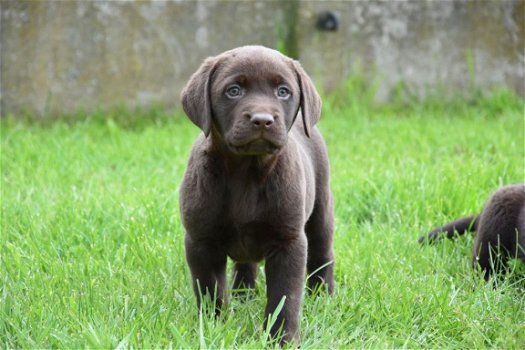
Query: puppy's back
<point x="502" y="222"/>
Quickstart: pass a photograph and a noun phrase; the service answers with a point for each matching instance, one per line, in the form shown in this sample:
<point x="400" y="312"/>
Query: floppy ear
<point x="310" y="101"/>
<point x="195" y="96"/>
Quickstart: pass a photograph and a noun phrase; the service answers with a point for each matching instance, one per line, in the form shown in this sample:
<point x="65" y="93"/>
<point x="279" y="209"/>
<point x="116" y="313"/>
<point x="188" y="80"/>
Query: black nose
<point x="259" y="120"/>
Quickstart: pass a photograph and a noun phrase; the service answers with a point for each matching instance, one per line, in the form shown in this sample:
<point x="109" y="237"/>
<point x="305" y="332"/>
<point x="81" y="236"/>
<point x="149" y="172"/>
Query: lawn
<point x="91" y="247"/>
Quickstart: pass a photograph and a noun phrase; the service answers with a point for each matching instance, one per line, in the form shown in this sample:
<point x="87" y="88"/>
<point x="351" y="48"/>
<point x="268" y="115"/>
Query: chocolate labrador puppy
<point x="257" y="182"/>
<point x="500" y="230"/>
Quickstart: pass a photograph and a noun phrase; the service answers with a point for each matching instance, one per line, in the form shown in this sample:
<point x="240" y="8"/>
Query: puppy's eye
<point x="234" y="91"/>
<point x="283" y="92"/>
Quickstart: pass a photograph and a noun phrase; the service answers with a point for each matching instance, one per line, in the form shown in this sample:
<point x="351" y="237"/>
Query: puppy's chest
<point x="253" y="221"/>
<point x="245" y="201"/>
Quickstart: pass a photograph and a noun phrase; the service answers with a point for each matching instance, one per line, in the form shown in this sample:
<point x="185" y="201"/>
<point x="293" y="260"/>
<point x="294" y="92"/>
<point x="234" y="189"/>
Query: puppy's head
<point x="250" y="97"/>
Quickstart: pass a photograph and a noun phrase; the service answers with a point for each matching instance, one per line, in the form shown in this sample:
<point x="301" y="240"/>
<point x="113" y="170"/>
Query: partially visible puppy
<point x="257" y="185"/>
<point x="500" y="230"/>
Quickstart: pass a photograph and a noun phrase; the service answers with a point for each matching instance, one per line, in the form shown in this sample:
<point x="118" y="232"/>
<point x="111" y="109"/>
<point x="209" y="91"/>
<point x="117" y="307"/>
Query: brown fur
<point x="500" y="230"/>
<point x="257" y="182"/>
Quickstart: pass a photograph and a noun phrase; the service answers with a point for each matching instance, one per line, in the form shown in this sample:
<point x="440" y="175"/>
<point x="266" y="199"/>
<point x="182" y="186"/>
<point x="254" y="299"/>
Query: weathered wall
<point x="451" y="45"/>
<point x="61" y="56"/>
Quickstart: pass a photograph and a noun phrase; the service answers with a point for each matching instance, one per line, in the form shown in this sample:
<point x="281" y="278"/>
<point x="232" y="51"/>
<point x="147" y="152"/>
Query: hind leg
<point x="319" y="231"/>
<point x="481" y="257"/>
<point x="244" y="275"/>
<point x="489" y="254"/>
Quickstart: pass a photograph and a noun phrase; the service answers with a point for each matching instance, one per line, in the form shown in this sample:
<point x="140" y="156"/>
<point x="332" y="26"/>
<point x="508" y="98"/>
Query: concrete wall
<point x="452" y="45"/>
<point x="57" y="57"/>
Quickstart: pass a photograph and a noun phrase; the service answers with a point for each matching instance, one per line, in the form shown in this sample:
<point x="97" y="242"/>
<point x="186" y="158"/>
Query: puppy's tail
<point x="461" y="226"/>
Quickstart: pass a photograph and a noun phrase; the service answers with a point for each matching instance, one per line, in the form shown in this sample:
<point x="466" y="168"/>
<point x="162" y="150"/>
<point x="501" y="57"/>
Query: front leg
<point x="285" y="269"/>
<point x="207" y="262"/>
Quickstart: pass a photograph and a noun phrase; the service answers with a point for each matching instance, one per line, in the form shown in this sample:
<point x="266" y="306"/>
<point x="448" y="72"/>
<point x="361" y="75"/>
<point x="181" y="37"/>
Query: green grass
<point x="91" y="246"/>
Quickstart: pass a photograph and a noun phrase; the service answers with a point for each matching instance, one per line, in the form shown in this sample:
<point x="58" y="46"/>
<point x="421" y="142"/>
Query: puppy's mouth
<point x="254" y="147"/>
